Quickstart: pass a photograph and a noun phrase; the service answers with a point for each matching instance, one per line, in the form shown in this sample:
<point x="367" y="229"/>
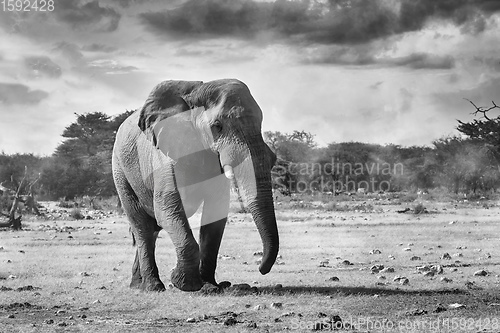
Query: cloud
<point x="421" y="61"/>
<point x="42" y="66"/>
<point x="109" y="66"/>
<point x="96" y="47"/>
<point x="11" y="93"/>
<point x="90" y="14"/>
<point x="366" y="54"/>
<point x="314" y="22"/>
<point x="192" y="53"/>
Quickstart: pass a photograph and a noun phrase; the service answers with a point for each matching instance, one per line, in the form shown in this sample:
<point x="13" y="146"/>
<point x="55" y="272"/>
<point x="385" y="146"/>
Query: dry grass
<point x="89" y="273"/>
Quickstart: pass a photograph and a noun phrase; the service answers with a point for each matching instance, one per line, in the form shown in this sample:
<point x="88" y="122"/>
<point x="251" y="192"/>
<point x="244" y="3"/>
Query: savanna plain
<point x="394" y="262"/>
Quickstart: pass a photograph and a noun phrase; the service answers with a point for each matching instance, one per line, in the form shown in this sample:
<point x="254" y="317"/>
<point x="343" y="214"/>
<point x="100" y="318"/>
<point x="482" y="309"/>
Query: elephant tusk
<point x="228" y="171"/>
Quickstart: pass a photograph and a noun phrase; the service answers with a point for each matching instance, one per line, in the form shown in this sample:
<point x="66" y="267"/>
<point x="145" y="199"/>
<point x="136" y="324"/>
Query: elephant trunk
<point x="253" y="176"/>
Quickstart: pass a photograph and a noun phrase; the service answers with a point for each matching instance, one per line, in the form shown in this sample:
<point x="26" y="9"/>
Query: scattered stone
<point x="439" y="308"/>
<point x="84" y="274"/>
<point x="376" y="268"/>
<point x="415" y="258"/>
<point x="404" y="281"/>
<point x="252" y="325"/>
<point x="376" y="251"/>
<point x="258" y="253"/>
<point x="481" y="272"/>
<point x="191" y="320"/>
<point x="324" y="263"/>
<point x="276" y="306"/>
<point x="445" y="279"/>
<point x="446" y="256"/>
<point x="230" y="321"/>
<point x="401" y="279"/>
<point x="472" y="285"/>
<point x="416" y="312"/>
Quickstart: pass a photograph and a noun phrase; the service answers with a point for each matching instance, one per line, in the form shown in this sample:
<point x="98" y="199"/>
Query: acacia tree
<point x="486" y="129"/>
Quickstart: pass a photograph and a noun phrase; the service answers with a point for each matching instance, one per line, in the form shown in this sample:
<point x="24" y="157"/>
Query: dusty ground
<point x="72" y="276"/>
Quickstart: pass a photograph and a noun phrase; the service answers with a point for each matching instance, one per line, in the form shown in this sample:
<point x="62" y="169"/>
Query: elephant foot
<point x="136" y="283"/>
<point x="186" y="280"/>
<point x="153" y="284"/>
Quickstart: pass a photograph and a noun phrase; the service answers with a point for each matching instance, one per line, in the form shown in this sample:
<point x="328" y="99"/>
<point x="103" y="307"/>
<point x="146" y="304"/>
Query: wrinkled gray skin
<point x="180" y="150"/>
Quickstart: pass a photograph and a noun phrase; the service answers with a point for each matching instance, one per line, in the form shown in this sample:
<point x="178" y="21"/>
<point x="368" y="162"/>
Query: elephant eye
<point x="216" y="127"/>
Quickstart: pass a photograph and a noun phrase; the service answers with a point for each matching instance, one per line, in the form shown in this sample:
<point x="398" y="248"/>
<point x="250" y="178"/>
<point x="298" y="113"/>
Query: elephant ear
<point x="166" y="119"/>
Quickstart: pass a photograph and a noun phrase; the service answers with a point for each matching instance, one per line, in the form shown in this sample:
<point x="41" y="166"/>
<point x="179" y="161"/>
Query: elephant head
<point x="187" y="119"/>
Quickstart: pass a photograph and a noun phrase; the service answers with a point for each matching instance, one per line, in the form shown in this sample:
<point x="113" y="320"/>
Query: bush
<point x="420" y="209"/>
<point x="76" y="214"/>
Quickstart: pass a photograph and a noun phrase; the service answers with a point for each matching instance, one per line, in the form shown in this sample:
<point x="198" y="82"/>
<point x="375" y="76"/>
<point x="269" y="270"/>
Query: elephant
<point x="188" y="145"/>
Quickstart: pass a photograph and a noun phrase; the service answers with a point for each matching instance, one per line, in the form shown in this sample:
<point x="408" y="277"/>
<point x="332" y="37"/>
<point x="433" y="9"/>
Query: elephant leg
<point x="172" y="217"/>
<point x="210" y="239"/>
<point x="145" y="274"/>
<point x="213" y="223"/>
<point x="144" y="231"/>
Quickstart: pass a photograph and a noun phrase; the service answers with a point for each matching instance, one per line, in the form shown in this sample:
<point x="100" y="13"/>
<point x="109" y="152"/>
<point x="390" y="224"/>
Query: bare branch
<point x="483" y="109"/>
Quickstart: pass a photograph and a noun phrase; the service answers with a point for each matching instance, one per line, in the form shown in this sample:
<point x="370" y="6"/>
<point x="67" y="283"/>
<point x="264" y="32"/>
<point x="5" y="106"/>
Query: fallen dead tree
<point x="29" y="200"/>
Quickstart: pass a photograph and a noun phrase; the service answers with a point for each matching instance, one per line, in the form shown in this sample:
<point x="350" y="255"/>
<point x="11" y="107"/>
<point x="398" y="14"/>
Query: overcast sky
<point x="380" y="71"/>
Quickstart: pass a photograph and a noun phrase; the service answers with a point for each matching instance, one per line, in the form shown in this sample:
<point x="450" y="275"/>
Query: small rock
<point x="346" y="262"/>
<point x="334" y="279"/>
<point x="49" y="321"/>
<point x="481" y="272"/>
<point x="259" y="307"/>
<point x="445" y="279"/>
<point x="407" y="249"/>
<point x="415" y="258"/>
<point x="96" y="301"/>
<point x="439" y="308"/>
<point x="446" y="256"/>
<point x="429" y="274"/>
<point x="276" y="306"/>
<point x="230" y="321"/>
<point x="278" y="286"/>
<point x="456" y="306"/>
<point x="387" y="270"/>
<point x="12" y="277"/>
<point x="190" y="320"/>
<point x="404" y="281"/>
<point x="62" y="324"/>
<point x="84" y="274"/>
<point x="376" y="251"/>
<point x="11" y="316"/>
<point x="392" y="257"/>
<point x="376" y="268"/>
<point x="258" y="253"/>
<point x="252" y="325"/>
<point x="381" y="277"/>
